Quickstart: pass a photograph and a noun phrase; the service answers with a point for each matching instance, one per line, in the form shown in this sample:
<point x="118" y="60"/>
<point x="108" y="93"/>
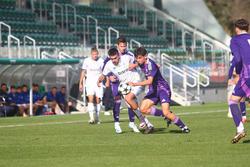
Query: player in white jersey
<point x="91" y="70"/>
<point x="122" y="68"/>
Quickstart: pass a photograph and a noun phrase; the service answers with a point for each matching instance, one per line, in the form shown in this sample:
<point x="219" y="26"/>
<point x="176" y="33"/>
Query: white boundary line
<point x="82" y="121"/>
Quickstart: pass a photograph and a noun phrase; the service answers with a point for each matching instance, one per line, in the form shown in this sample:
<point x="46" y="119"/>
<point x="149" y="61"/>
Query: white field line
<point x="82" y="121"/>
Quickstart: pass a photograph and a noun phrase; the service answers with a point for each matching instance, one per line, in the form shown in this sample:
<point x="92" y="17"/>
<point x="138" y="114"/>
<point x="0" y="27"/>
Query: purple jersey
<point x="159" y="90"/>
<point x="240" y="47"/>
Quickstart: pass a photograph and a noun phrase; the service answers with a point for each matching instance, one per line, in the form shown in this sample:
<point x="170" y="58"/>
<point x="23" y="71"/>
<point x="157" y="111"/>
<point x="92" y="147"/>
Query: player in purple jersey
<point x="240" y="48"/>
<point x="119" y="66"/>
<point x="233" y="77"/>
<point x="122" y="49"/>
<point x="159" y="90"/>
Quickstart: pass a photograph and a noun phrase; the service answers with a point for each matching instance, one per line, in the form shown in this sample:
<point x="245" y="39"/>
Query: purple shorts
<point x="242" y="88"/>
<point x="114" y="87"/>
<point x="162" y="95"/>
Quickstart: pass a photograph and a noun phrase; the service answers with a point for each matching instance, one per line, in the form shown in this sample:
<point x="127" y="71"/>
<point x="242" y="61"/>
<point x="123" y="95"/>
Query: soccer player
<point x="240" y="48"/>
<point x="233" y="78"/>
<point x="120" y="67"/>
<point x="91" y="70"/>
<point x="159" y="90"/>
<point x="123" y="51"/>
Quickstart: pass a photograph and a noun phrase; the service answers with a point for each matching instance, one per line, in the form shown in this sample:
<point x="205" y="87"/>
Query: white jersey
<point x="93" y="69"/>
<point x="122" y="70"/>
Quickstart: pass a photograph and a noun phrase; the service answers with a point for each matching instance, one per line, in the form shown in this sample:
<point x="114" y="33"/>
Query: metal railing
<point x="54" y="5"/>
<point x="9" y="30"/>
<point x="89" y="17"/>
<point x="10" y="38"/>
<point x="84" y="28"/>
<point x="67" y="6"/>
<point x="25" y="38"/>
<point x="98" y="28"/>
<point x="110" y="29"/>
<point x="133" y="41"/>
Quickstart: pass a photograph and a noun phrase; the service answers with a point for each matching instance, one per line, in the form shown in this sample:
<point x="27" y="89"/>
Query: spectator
<point x="50" y="100"/>
<point x="38" y="104"/>
<point x="61" y="100"/>
<point x="6" y="108"/>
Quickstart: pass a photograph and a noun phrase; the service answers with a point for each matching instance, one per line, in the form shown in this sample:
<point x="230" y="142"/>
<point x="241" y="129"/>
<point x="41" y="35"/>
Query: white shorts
<point x="93" y="89"/>
<point x="137" y="90"/>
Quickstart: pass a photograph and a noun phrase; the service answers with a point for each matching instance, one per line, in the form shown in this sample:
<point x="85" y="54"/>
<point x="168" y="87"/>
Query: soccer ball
<point x="124" y="88"/>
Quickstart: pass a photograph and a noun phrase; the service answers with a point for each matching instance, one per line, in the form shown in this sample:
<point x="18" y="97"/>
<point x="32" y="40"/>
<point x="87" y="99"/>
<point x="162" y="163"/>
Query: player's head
<point x="19" y="89"/>
<point x="24" y="88"/>
<point x="63" y="89"/>
<point x="241" y="25"/>
<point x="94" y="53"/>
<point x="53" y="90"/>
<point x="141" y="55"/>
<point x="114" y="55"/>
<point x="4" y="87"/>
<point x="121" y="44"/>
<point x="12" y="89"/>
<point x="35" y="87"/>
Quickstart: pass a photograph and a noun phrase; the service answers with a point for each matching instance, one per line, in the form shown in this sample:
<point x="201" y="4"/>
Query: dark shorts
<point x="162" y="95"/>
<point x="242" y="88"/>
<point x="114" y="87"/>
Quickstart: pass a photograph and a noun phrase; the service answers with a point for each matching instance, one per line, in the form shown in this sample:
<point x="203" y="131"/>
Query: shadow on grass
<point x="246" y="142"/>
<point x="175" y="131"/>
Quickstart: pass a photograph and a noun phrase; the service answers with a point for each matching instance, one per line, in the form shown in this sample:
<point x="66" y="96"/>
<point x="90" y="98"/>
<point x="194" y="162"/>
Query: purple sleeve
<point x="152" y="68"/>
<point x="235" y="51"/>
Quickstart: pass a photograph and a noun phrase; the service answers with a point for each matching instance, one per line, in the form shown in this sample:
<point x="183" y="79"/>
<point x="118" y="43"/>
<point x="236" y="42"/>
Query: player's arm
<point x="148" y="81"/>
<point x="82" y="80"/>
<point x="100" y="79"/>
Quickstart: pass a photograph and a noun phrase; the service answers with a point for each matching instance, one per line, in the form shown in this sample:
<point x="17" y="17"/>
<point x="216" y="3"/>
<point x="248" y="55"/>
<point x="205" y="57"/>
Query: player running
<point x="91" y="70"/>
<point x="121" y="68"/>
<point x="240" y="48"/>
<point x="123" y="51"/>
<point x="159" y="90"/>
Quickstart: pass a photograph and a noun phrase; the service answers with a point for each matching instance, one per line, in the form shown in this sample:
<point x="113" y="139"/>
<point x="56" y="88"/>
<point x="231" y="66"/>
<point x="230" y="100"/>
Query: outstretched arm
<point x="148" y="81"/>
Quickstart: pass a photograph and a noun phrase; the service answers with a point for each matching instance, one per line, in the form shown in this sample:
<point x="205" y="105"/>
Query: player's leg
<point x="243" y="110"/>
<point x="175" y="119"/>
<point x="237" y="117"/>
<point x="116" y="107"/>
<point x="240" y="91"/>
<point x="131" y="100"/>
<point x="98" y="95"/>
<point x="91" y="109"/>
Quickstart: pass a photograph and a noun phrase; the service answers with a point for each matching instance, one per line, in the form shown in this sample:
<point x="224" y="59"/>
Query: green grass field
<point x="67" y="141"/>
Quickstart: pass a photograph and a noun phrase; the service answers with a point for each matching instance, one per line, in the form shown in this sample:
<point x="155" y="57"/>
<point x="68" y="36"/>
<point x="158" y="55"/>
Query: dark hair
<point x="242" y="24"/>
<point x="121" y="39"/>
<point x="24" y="86"/>
<point x="112" y="52"/>
<point x="140" y="51"/>
<point x="3" y="84"/>
<point x="94" y="49"/>
<point x="12" y="87"/>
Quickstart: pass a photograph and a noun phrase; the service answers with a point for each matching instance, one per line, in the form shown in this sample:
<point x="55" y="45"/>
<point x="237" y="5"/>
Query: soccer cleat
<point x="133" y="127"/>
<point x="148" y="130"/>
<point x="118" y="129"/>
<point x="185" y="129"/>
<point x="91" y="121"/>
<point x="238" y="136"/>
<point x="244" y="119"/>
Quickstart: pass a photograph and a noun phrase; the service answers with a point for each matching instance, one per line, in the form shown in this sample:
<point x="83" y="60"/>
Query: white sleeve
<point x="101" y="63"/>
<point x="106" y="70"/>
<point x="85" y="64"/>
<point x="131" y="59"/>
